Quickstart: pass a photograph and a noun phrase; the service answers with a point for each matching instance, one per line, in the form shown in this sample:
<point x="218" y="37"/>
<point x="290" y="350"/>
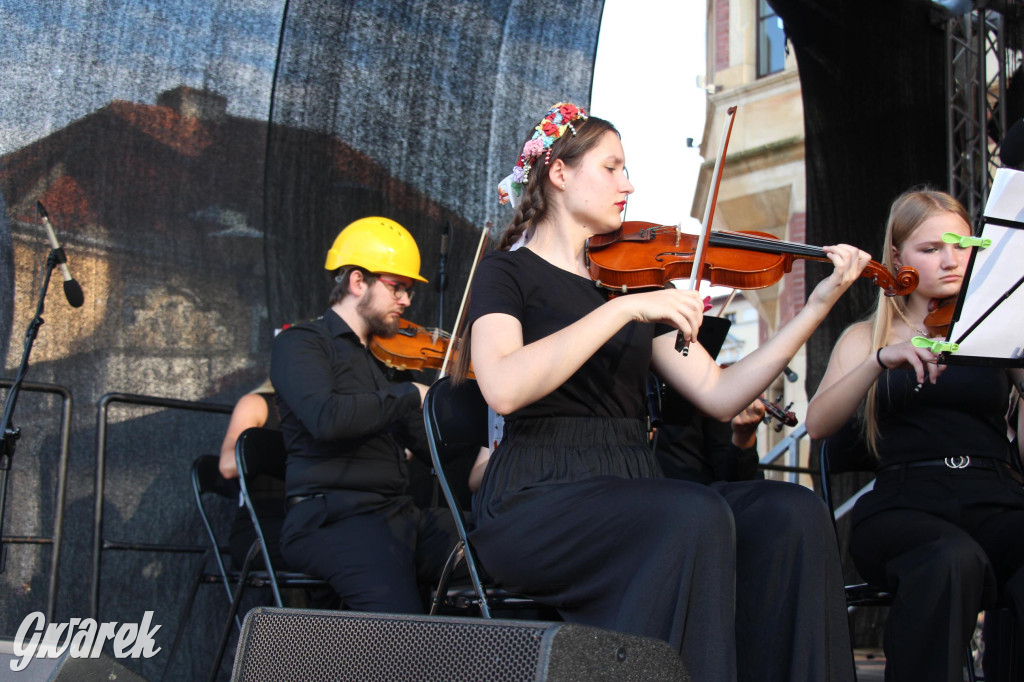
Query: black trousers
<point x="948" y="543"/>
<point x="743" y="578"/>
<point x="376" y="551"/>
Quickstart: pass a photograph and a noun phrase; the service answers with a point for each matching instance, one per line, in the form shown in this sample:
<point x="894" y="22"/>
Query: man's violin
<point x="413" y="347"/>
<point x="646" y="255"/>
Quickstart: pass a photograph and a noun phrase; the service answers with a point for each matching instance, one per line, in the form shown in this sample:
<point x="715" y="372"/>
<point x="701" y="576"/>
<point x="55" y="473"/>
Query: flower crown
<point x="554" y="124"/>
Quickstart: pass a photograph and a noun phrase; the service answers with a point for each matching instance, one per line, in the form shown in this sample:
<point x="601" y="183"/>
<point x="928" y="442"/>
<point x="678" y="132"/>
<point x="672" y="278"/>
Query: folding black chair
<point x="259" y="452"/>
<point x="455" y="417"/>
<point x="206" y="479"/>
<point x="846" y="453"/>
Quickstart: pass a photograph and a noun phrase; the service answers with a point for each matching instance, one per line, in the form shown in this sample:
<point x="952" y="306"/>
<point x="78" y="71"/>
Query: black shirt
<point x="546" y="299"/>
<point x="345" y="425"/>
<point x="702" y="451"/>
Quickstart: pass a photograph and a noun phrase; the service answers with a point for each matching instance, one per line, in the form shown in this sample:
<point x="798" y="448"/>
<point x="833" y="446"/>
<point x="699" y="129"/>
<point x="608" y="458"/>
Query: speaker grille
<point x="294" y="644"/>
<point x="365" y="649"/>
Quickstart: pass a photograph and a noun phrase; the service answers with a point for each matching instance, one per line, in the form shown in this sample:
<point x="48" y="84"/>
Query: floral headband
<point x="554" y="124"/>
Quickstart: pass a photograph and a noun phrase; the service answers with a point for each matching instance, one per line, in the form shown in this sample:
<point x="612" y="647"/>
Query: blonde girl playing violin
<point x="943" y="525"/>
<point x="573" y="510"/>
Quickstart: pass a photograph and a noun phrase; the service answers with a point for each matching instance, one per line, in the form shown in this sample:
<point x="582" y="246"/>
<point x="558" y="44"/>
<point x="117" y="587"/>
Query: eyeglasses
<point x="398" y="290"/>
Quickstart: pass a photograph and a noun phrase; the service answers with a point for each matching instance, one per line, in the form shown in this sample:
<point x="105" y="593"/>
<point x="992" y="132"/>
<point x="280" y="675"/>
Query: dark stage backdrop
<point x="197" y="160"/>
<point x="872" y="76"/>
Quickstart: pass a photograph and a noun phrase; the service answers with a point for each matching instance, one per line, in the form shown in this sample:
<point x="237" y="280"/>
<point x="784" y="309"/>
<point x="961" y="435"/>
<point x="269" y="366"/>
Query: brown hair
<point x="533" y="206"/>
<point x="341" y="278"/>
<point x="907" y="213"/>
<point x="570" y="149"/>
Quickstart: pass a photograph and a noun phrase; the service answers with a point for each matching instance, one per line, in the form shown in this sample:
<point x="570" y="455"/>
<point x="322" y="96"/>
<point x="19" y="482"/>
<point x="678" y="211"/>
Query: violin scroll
<point x="901" y="284"/>
<point x="782" y="415"/>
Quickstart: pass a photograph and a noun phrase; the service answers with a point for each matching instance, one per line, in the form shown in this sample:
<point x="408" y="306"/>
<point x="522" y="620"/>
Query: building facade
<point x="762" y="184"/>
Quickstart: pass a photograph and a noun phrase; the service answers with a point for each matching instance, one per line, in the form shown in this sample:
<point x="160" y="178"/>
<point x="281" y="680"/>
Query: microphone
<point x="446" y="238"/>
<point x="791" y="376"/>
<point x="72" y="290"/>
<point x="1012" y="148"/>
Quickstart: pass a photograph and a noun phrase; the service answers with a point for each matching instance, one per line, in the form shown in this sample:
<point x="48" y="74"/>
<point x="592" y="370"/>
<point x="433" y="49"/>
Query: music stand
<point x="988" y="321"/>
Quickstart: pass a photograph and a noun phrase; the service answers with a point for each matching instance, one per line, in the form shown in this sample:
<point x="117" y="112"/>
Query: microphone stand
<point x="9" y="434"/>
<point x="442" y="273"/>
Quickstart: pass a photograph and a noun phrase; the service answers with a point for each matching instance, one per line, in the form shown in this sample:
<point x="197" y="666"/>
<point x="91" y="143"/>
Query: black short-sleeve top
<point x="545" y="298"/>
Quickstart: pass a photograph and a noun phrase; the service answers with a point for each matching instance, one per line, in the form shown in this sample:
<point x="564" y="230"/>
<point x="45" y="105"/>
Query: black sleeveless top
<point x="963" y="414"/>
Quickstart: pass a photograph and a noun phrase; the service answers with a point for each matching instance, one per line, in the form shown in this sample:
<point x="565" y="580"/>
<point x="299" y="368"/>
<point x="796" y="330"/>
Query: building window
<point x="771" y="41"/>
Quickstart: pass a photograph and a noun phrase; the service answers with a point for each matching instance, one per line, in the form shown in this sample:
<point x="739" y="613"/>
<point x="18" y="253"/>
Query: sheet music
<point x="999" y="338"/>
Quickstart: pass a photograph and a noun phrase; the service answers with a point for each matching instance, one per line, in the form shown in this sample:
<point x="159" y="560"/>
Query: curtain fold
<point x="197" y="159"/>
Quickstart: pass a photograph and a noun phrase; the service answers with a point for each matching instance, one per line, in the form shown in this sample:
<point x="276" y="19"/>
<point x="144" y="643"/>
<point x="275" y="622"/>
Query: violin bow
<point x="462" y="306"/>
<point x="709" y="210"/>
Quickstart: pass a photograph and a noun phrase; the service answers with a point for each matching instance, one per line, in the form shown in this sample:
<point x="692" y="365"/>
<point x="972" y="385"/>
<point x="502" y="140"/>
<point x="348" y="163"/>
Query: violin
<point x="643" y="255"/>
<point x="413" y="347"/>
<point x="940" y="315"/>
<point x="782" y="415"/>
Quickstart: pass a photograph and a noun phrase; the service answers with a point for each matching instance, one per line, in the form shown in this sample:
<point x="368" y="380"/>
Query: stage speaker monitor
<point x="64" y="668"/>
<point x="294" y="644"/>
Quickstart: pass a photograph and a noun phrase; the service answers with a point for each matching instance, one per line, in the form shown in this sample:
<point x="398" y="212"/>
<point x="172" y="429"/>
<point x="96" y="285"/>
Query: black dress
<point x="573" y="511"/>
<point x="947" y="541"/>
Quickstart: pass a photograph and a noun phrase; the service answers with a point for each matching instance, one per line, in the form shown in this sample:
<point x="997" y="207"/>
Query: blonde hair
<point x="907" y="213"/>
<point x="533" y="205"/>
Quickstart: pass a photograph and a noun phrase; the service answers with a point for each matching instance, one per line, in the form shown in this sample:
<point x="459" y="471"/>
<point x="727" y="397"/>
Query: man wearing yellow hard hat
<point x="347" y="429"/>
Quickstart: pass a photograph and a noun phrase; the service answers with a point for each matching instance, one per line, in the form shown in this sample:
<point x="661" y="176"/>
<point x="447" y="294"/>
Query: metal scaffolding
<point x="980" y="63"/>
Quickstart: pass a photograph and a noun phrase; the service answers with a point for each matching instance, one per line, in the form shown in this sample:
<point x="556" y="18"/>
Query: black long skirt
<point x="574" y="513"/>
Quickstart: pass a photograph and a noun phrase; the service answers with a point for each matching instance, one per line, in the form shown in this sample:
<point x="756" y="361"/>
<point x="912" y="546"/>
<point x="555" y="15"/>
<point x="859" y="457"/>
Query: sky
<point x="649" y="55"/>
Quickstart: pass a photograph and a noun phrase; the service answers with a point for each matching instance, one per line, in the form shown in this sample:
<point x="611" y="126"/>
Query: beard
<point x="377" y="322"/>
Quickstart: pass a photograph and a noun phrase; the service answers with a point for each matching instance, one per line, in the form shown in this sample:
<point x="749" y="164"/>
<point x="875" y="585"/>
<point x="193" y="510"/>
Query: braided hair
<point x="533" y="206"/>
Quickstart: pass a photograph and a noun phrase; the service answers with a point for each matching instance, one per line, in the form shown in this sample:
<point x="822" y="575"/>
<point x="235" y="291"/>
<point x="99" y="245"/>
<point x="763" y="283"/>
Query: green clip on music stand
<point x="988" y="321"/>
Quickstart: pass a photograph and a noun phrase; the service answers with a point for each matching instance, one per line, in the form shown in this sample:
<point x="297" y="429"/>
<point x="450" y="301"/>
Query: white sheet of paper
<point x="995" y="271"/>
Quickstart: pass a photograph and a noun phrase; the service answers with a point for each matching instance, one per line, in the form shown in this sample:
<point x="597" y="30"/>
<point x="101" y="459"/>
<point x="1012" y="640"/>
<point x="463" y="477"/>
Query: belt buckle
<point x="958" y="462"/>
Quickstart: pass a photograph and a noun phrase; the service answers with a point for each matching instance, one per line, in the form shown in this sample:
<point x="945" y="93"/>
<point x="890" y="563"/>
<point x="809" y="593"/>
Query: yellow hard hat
<point x="377" y="245"/>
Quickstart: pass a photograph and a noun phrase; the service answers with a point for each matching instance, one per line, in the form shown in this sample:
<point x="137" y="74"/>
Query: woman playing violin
<point x="943" y="525"/>
<point x="573" y="510"/>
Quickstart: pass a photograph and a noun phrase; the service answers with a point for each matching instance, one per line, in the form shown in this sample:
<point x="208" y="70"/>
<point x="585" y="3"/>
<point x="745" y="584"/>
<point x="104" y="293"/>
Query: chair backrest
<point x="260" y="451"/>
<point x="264" y="453"/>
<point x="455" y="416"/>
<point x="206" y="479"/>
<point x="843" y="452"/>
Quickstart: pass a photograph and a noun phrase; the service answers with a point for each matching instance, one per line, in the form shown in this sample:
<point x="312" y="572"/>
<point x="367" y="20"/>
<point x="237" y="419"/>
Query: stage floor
<point x="870" y="664"/>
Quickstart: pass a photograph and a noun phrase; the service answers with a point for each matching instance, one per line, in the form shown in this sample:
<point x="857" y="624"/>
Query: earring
<point x="563" y="185"/>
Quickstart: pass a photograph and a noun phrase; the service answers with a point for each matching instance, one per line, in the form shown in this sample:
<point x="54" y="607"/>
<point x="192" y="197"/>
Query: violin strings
<point x="739" y="240"/>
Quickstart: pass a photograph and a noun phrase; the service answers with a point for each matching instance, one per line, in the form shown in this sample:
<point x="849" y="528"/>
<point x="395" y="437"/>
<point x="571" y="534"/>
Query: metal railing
<point x="53" y="539"/>
<point x="790" y="448"/>
<point x="100" y="543"/>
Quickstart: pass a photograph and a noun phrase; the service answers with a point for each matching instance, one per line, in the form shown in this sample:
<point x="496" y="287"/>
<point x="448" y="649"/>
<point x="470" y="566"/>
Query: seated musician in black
<point x="347" y="428"/>
<point x="690" y="446"/>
